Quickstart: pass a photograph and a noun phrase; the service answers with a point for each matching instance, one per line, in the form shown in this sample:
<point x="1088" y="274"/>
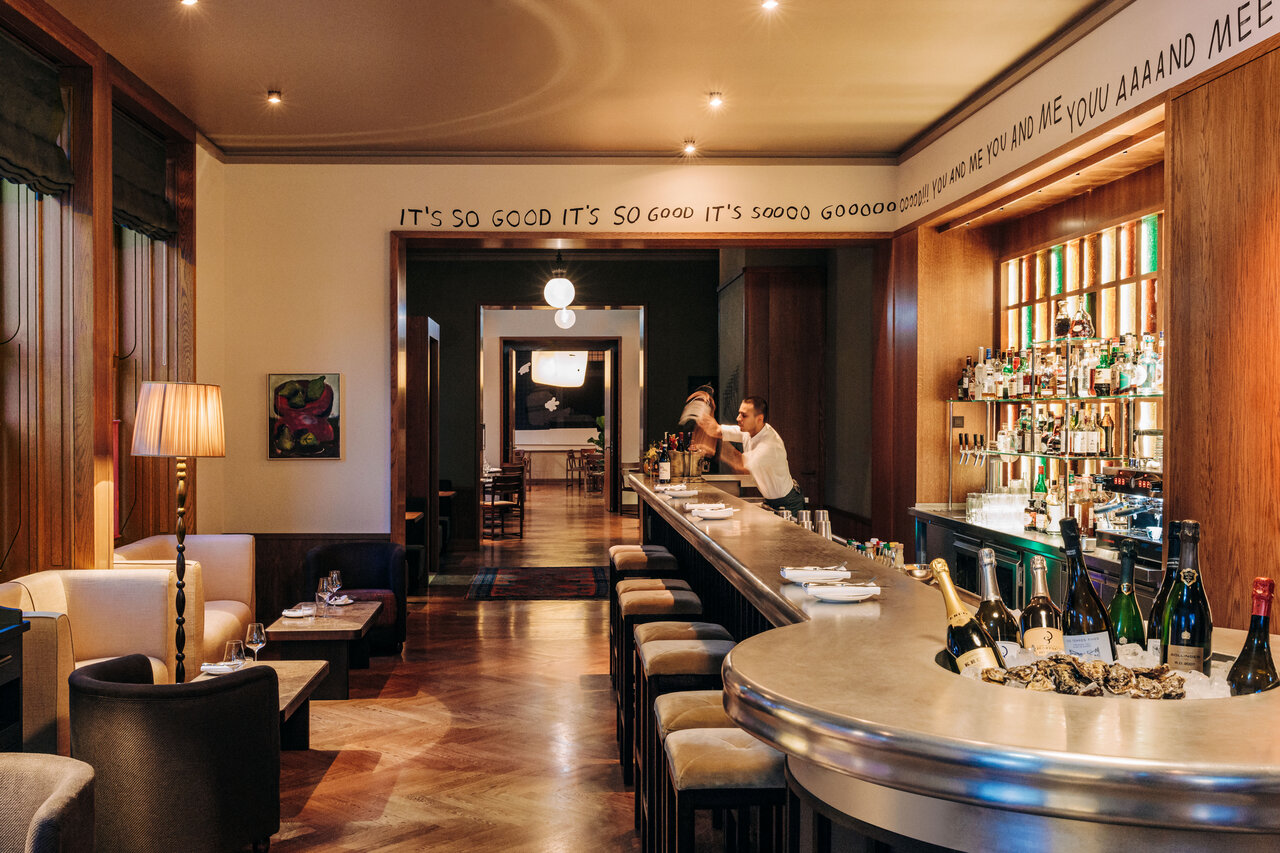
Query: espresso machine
<point x="1135" y="510"/>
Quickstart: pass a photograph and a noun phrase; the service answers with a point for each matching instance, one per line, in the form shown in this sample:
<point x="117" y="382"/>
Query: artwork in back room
<point x="555" y="407"/>
<point x="304" y="416"/>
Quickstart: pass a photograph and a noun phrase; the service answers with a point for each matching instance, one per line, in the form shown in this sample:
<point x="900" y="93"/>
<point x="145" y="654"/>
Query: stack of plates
<point x="801" y="574"/>
<point x="841" y="592"/>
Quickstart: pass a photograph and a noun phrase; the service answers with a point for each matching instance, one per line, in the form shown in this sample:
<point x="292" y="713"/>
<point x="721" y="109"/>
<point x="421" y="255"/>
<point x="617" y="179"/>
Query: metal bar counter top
<point x="877" y="731"/>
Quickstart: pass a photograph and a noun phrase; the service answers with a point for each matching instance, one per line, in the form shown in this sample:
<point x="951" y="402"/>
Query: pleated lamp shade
<point x="179" y="419"/>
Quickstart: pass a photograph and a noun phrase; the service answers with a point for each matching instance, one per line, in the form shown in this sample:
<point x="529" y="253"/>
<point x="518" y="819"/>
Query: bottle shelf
<point x="1112" y="398"/>
<point x="1066" y="457"/>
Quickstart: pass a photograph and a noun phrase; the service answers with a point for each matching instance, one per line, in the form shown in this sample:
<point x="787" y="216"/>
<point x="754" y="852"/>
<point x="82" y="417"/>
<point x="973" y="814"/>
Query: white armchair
<point x="83" y="616"/>
<point x="227" y="567"/>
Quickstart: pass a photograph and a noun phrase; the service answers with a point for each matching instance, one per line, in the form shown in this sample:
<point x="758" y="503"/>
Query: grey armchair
<point x="48" y="804"/>
<point x="192" y="767"/>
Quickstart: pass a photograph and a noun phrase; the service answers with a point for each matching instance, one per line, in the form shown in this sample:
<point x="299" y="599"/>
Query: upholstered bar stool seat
<point x="638" y="561"/>
<point x="673" y="630"/>
<point x="662" y="667"/>
<point x="728" y="768"/>
<point x="635" y="608"/>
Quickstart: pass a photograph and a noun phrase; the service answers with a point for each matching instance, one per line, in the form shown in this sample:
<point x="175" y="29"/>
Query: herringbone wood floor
<point x="492" y="732"/>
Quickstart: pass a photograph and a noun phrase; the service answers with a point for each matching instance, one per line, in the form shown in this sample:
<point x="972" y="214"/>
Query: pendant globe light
<point x="559" y="290"/>
<point x="565" y="318"/>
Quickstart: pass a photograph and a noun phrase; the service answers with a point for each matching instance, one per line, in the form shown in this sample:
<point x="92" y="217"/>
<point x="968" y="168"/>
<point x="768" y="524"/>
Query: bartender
<point x="763" y="454"/>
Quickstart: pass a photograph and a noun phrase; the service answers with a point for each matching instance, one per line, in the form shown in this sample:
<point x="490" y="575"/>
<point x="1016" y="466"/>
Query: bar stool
<point x="674" y="712"/>
<point x="631" y="561"/>
<point x="636" y="608"/>
<point x="722" y="769"/>
<point x="621" y="588"/>
<point x="647" y="632"/>
<point x="665" y="666"/>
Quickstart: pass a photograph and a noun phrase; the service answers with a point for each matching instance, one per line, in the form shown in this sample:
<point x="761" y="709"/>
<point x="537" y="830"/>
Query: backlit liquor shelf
<point x="886" y="743"/>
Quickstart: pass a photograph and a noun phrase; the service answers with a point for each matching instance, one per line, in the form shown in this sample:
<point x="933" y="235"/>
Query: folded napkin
<point x="725" y="512"/>
<point x="692" y="507"/>
<point x="299" y="612"/>
<point x="680" y="493"/>
<point x="218" y="668"/>
<point x="670" y="487"/>
<point x="801" y="574"/>
<point x="841" y="592"/>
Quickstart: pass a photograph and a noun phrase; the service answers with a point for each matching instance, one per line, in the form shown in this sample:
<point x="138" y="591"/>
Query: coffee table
<point x="326" y="638"/>
<point x="298" y="680"/>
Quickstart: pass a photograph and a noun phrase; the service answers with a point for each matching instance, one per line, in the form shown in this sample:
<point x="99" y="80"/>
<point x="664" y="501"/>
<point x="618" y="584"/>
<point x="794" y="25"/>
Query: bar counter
<point x="877" y="733"/>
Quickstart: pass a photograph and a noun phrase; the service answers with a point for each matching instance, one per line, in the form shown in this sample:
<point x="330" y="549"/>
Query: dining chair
<point x="572" y="468"/>
<point x="504" y="498"/>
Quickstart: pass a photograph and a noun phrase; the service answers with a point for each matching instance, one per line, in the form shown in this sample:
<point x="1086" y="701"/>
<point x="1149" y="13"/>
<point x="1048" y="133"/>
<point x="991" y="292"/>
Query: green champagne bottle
<point x="1126" y="619"/>
<point x="1187" y="642"/>
<point x="1155" y="617"/>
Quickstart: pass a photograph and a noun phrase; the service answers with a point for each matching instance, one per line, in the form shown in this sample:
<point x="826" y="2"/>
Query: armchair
<point x="192" y="767"/>
<point x="48" y="803"/>
<point x="86" y="615"/>
<point x="371" y="571"/>
<point x="228" y="573"/>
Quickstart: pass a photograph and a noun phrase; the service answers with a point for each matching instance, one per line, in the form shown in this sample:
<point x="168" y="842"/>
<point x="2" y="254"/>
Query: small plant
<point x="598" y="441"/>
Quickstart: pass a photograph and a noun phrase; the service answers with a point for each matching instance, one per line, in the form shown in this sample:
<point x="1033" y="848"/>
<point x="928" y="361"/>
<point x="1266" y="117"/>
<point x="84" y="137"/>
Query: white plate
<point x="341" y="602"/>
<point x="298" y="612"/>
<point x="712" y="514"/>
<point x="682" y="493"/>
<point x="812" y="573"/>
<point x="692" y="507"/>
<point x="839" y="593"/>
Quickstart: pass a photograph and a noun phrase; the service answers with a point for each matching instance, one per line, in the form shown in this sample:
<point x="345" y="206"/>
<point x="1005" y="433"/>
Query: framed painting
<point x="304" y="416"/>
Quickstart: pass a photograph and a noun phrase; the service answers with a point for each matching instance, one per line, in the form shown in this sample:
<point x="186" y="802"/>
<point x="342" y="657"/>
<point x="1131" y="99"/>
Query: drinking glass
<point x="322" y="598"/>
<point x="255" y="638"/>
<point x="335" y="582"/>
<point x="234" y="655"/>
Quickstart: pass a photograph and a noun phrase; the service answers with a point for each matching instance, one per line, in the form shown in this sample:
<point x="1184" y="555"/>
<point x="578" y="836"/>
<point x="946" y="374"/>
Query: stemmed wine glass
<point x="335" y="582"/>
<point x="255" y="638"/>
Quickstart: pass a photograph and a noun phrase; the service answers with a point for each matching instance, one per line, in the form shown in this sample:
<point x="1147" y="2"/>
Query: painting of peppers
<point x="303" y="419"/>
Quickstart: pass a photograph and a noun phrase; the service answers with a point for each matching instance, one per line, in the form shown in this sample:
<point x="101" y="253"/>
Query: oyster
<point x="1090" y="670"/>
<point x="1119" y="678"/>
<point x="1023" y="674"/>
<point x="1146" y="688"/>
<point x="1066" y="679"/>
<point x="994" y="675"/>
<point x="1174" y="686"/>
<point x="1041" y="682"/>
<point x="1092" y="688"/>
<point x="1153" y="672"/>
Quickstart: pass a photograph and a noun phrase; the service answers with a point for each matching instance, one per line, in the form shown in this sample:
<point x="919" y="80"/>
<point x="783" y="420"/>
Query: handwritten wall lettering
<point x="588" y="216"/>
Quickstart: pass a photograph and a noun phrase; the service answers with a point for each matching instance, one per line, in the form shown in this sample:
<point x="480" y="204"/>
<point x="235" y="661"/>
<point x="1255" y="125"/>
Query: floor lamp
<point x="177" y="420"/>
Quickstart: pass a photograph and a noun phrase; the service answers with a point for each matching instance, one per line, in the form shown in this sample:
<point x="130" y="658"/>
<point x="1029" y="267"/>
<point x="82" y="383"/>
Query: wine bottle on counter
<point x="992" y="613"/>
<point x="664" y="462"/>
<point x="1187" y="640"/>
<point x="1041" y="619"/>
<point x="968" y="642"/>
<point x="1126" y="618"/>
<point x="1254" y="671"/>
<point x="1155" y="616"/>
<point x="1086" y="628"/>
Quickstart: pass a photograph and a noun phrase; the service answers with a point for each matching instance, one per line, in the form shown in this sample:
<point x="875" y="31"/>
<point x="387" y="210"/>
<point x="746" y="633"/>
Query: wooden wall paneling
<point x="278" y="559"/>
<point x="1131" y="196"/>
<point x="893" y="459"/>
<point x="756" y="282"/>
<point x="19" y="313"/>
<point x="955" y="292"/>
<point x="1222" y="447"/>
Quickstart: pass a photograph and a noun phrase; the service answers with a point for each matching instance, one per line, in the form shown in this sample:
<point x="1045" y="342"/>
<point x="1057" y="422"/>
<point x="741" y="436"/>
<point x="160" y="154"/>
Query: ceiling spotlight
<point x="769" y="5"/>
<point x="559" y="290"/>
<point x="690" y="147"/>
<point x="565" y="318"/>
<point x="273" y="96"/>
<point x="715" y="100"/>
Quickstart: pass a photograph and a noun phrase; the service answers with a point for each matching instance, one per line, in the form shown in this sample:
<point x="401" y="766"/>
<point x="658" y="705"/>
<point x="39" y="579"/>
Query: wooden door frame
<point x="402" y="241"/>
<point x="613" y="377"/>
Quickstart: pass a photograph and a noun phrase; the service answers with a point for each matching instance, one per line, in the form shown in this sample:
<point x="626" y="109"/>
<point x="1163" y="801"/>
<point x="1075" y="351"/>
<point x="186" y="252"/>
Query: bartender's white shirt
<point x="765" y="456"/>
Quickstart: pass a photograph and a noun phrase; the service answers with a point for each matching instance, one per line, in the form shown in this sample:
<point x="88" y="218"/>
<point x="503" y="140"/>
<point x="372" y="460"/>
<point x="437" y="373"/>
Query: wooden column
<point x="1222" y="442"/>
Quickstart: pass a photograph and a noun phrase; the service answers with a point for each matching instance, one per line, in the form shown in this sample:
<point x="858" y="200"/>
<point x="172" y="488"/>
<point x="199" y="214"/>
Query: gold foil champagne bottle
<point x="1041" y="620"/>
<point x="967" y="641"/>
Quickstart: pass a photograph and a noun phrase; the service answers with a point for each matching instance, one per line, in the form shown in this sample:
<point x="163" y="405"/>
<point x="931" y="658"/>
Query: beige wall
<point x="211" y="335"/>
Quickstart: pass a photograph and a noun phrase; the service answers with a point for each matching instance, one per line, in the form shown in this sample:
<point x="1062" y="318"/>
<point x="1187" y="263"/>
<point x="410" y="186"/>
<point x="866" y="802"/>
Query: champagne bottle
<point x="968" y="642"/>
<point x="1187" y="640"/>
<point x="1124" y="613"/>
<point x="994" y="617"/>
<point x="1254" y="671"/>
<point x="664" y="461"/>
<point x="1086" y="627"/>
<point x="1155" y="616"/>
<point x="1041" y="618"/>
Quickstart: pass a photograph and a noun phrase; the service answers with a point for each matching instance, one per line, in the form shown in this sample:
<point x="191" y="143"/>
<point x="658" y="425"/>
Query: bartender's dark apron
<point x="792" y="500"/>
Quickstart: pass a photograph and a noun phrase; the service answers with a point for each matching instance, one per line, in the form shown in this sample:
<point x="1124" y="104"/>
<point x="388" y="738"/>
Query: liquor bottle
<point x="1086" y="627"/>
<point x="1254" y="671"/>
<point x="966" y="377"/>
<point x="1148" y="365"/>
<point x="968" y="642"/>
<point x="994" y="617"/>
<point x="1040" y="494"/>
<point x="1108" y="427"/>
<point x="1028" y="378"/>
<point x="1062" y="319"/>
<point x="1041" y="620"/>
<point x="1187" y="639"/>
<point x="1102" y="375"/>
<point x="1082" y="323"/>
<point x="990" y="377"/>
<point x="1155" y="616"/>
<point x="1056" y="501"/>
<point x="664" y="461"/>
<point x="1126" y="618"/>
<point x="1025" y="430"/>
